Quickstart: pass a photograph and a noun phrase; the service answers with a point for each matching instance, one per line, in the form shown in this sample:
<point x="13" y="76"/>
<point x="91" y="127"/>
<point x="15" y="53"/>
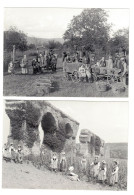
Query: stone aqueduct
<point x="60" y="130"/>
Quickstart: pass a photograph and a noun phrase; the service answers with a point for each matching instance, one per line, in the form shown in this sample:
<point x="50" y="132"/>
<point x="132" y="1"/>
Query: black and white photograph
<point x="66" y="52"/>
<point x="68" y="145"/>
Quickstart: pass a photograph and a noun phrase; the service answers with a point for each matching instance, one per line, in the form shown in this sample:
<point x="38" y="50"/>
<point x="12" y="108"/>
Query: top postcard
<point x="66" y="52"/>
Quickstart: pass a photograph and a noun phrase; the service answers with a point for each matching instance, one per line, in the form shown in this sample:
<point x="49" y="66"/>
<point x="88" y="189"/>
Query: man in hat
<point x="114" y="174"/>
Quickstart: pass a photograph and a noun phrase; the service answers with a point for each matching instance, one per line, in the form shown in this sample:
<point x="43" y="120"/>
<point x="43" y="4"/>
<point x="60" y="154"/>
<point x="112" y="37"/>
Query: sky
<point x="109" y="120"/>
<point x="53" y="22"/>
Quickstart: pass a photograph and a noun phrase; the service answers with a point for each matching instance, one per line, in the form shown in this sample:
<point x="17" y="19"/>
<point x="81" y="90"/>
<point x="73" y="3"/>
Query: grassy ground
<point x="27" y="85"/>
<point x="25" y="176"/>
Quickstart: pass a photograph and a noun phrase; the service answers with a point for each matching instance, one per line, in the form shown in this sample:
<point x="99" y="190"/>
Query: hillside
<point x="40" y="41"/>
<point x="116" y="150"/>
<point x="25" y="176"/>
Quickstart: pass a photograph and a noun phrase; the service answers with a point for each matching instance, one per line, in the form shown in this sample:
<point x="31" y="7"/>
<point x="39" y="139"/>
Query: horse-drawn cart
<point x="72" y="71"/>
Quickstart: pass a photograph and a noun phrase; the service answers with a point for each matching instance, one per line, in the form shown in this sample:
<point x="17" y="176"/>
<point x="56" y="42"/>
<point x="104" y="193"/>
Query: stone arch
<point x="68" y="130"/>
<point x="48" y="123"/>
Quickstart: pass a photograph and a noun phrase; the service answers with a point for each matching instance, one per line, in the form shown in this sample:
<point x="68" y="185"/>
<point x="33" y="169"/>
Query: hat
<point x="71" y="168"/>
<point x="104" y="162"/>
<point x="63" y="153"/>
<point x="115" y="161"/>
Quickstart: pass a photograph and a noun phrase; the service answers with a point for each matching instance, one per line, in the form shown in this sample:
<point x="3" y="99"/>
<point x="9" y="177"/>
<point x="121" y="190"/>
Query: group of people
<point x="119" y="62"/>
<point x="42" y="60"/>
<point x="98" y="170"/>
<point x="10" y="153"/>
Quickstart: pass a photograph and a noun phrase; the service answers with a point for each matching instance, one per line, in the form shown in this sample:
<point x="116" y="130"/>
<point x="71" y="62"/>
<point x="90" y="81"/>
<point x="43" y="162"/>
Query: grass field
<point x="26" y="85"/>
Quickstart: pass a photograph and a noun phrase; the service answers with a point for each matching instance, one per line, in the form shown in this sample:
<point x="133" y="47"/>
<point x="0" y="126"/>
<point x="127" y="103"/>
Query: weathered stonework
<point x="25" y="118"/>
<point x="90" y="144"/>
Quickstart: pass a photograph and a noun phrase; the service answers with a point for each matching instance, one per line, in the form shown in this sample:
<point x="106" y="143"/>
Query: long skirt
<point x="101" y="176"/>
<point x="114" y="179"/>
<point x="63" y="166"/>
<point x="24" y="70"/>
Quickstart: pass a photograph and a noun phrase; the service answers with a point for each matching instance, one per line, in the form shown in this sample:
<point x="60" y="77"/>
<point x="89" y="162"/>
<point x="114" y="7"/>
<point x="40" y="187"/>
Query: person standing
<point x="110" y="63"/>
<point x="24" y="65"/>
<point x="102" y="62"/>
<point x="20" y="154"/>
<point x="63" y="162"/>
<point x="12" y="152"/>
<point x="102" y="172"/>
<point x="95" y="167"/>
<point x="83" y="164"/>
<point x="114" y="174"/>
<point x="54" y="163"/>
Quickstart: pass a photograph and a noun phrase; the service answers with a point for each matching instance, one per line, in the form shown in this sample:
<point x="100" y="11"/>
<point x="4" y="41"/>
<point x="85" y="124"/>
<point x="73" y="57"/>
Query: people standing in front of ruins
<point x="114" y="174"/>
<point x="24" y="65"/>
<point x="102" y="172"/>
<point x="54" y="163"/>
<point x="95" y="167"/>
<point x="83" y="164"/>
<point x="63" y="162"/>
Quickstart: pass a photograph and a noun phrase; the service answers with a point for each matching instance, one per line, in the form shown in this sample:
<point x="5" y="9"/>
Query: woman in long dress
<point x="54" y="162"/>
<point x="102" y="172"/>
<point x="63" y="162"/>
<point x="83" y="164"/>
<point x="95" y="168"/>
<point x="24" y="64"/>
<point x="114" y="175"/>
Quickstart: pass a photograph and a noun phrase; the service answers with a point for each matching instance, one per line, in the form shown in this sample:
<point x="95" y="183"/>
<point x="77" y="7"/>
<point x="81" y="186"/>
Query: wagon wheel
<point x="75" y="77"/>
<point x="68" y="76"/>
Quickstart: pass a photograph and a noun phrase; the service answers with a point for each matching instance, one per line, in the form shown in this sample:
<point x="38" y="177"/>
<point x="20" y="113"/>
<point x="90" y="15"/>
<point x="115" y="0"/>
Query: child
<point x="102" y="172"/>
<point x="54" y="162"/>
<point x="11" y="68"/>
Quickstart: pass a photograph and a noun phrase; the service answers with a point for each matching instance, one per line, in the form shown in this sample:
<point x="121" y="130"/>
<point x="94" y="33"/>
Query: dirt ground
<point x="27" y="85"/>
<point x="25" y="176"/>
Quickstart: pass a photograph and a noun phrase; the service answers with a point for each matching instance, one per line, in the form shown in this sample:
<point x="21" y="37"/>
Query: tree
<point x="119" y="41"/>
<point x="89" y="29"/>
<point x="15" y="37"/>
<point x="54" y="45"/>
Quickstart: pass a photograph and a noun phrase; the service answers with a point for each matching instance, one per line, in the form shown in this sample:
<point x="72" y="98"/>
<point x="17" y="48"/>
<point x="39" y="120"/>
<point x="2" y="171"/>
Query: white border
<point x="80" y="4"/>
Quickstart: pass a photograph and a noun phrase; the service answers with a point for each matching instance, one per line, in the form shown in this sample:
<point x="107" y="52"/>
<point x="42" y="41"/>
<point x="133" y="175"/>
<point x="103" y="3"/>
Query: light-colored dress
<point x="54" y="163"/>
<point x="114" y="177"/>
<point x="83" y="164"/>
<point x="102" y="173"/>
<point x="95" y="168"/>
<point x="23" y="65"/>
